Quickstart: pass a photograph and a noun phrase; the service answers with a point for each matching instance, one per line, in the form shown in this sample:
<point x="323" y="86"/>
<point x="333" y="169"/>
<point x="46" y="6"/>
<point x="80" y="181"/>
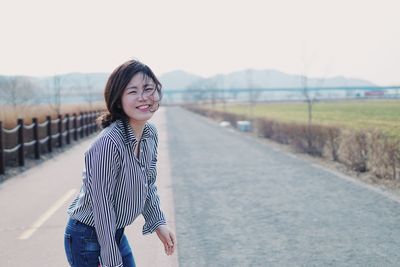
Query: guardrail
<point x="83" y="125"/>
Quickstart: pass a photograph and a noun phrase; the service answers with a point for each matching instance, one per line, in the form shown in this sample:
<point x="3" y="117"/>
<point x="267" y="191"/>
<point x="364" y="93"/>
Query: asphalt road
<point x="240" y="202"/>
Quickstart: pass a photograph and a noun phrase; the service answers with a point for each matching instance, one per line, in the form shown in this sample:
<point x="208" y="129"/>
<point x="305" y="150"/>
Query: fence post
<point x="2" y="161"/>
<point x="95" y="121"/>
<point x="21" y="156"/>
<point x="98" y="127"/>
<point x="87" y="119"/>
<point x="75" y="125"/>
<point x="36" y="137"/>
<point x="60" y="137"/>
<point x="82" y="124"/>
<point x="49" y="142"/>
<point x="90" y="122"/>
<point x="67" y="129"/>
<point x="96" y="115"/>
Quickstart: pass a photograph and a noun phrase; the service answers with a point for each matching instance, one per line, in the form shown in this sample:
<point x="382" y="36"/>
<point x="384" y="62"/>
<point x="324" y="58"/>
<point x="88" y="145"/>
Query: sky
<point x="317" y="38"/>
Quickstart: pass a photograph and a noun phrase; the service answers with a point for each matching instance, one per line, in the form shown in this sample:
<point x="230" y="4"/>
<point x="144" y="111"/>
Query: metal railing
<point x="83" y="125"/>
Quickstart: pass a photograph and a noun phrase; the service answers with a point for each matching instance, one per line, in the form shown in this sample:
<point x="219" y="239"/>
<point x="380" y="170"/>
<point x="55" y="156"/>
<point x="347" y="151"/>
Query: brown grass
<point x="9" y="115"/>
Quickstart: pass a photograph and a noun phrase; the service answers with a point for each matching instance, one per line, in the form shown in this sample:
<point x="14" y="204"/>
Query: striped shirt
<point x="118" y="186"/>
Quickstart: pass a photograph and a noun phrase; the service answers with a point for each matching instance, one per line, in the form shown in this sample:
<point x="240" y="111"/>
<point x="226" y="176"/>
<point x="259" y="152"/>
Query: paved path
<point x="33" y="211"/>
<point x="239" y="202"/>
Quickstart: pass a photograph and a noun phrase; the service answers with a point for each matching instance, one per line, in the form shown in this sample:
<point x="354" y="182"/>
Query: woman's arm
<point x="102" y="166"/>
<point x="152" y="213"/>
<point x="154" y="217"/>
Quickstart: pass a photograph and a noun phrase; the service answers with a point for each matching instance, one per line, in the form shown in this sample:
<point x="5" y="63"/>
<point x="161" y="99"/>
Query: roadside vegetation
<point x="364" y="136"/>
<point x="41" y="136"/>
<point x="379" y="114"/>
<point x="9" y="114"/>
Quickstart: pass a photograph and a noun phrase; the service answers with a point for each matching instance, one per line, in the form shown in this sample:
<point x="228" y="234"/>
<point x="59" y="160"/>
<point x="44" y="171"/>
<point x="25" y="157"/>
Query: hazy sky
<point x="356" y="38"/>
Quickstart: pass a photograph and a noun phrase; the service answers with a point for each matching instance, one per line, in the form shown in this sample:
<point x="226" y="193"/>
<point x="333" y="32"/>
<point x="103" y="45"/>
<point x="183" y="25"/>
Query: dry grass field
<point x="10" y="114"/>
<point x="378" y="114"/>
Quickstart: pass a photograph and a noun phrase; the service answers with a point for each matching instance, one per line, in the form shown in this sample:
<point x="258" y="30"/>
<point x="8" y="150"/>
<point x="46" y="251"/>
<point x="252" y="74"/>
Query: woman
<point x="119" y="176"/>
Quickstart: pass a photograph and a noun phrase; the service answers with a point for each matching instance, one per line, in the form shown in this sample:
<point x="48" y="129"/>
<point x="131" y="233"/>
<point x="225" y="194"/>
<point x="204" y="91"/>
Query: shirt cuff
<point x="148" y="229"/>
<point x="119" y="265"/>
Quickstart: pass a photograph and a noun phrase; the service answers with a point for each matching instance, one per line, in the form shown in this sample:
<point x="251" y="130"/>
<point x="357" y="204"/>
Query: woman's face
<point x="139" y="97"/>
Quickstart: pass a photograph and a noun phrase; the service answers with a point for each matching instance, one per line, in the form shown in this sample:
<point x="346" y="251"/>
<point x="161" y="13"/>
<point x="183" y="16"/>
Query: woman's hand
<point x="167" y="238"/>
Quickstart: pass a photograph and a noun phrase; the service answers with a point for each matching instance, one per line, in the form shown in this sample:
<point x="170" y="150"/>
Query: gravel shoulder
<point x="391" y="188"/>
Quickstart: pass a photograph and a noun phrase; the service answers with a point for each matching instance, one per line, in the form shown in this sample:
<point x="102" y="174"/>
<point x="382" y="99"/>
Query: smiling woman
<point x="120" y="174"/>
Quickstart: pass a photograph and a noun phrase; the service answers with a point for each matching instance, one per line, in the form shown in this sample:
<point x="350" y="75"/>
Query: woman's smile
<point x="144" y="108"/>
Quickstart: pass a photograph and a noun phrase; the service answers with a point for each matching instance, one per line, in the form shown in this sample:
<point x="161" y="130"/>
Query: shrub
<point x="265" y="128"/>
<point x="282" y="133"/>
<point x="393" y="154"/>
<point x="333" y="141"/>
<point x="354" y="151"/>
<point x="384" y="156"/>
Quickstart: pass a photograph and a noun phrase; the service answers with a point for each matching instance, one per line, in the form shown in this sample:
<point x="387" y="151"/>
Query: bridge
<point x="177" y="96"/>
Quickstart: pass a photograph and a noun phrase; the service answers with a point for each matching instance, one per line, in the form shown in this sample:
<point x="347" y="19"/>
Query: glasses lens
<point x="149" y="92"/>
<point x="153" y="94"/>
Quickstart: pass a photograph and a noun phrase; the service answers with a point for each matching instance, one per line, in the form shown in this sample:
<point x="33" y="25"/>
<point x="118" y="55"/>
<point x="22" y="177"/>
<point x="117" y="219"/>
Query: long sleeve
<point x="102" y="166"/>
<point x="152" y="213"/>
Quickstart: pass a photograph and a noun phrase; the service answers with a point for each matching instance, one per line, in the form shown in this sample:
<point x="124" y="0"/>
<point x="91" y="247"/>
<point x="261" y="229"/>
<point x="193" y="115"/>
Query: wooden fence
<point x="55" y="133"/>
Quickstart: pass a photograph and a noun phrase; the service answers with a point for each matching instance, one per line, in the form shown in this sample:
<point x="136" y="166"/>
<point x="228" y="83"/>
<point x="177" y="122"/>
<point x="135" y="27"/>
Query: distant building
<point x="376" y="93"/>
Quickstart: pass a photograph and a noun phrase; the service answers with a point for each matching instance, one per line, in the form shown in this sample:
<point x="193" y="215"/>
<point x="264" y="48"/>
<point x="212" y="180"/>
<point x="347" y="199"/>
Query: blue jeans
<point x="83" y="249"/>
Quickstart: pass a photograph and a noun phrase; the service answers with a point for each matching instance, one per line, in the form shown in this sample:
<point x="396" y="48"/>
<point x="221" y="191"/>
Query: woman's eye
<point x="149" y="89"/>
<point x="132" y="92"/>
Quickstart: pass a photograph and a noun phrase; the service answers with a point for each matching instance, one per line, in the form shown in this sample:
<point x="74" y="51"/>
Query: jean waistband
<point x="118" y="233"/>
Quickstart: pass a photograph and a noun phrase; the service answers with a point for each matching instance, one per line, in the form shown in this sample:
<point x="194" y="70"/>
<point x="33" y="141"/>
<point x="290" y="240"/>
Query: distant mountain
<point x="174" y="80"/>
<point x="75" y="82"/>
<point x="251" y="78"/>
<point x="178" y="80"/>
<point x="81" y="83"/>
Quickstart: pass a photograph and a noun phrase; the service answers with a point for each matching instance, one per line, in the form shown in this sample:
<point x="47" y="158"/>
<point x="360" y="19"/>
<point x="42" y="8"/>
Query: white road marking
<point x="45" y="216"/>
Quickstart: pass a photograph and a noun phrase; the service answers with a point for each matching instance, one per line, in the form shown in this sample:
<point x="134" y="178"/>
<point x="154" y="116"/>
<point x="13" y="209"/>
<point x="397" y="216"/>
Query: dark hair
<point x="116" y="85"/>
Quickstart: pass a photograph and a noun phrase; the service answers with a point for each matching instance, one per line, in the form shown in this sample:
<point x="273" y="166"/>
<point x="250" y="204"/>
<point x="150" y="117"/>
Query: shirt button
<point x="142" y="168"/>
<point x="145" y="185"/>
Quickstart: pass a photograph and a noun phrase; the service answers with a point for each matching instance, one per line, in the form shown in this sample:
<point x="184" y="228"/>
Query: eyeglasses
<point x="148" y="92"/>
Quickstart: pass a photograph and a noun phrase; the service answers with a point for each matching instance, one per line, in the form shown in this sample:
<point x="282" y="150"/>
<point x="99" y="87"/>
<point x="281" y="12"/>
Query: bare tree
<point x="222" y="96"/>
<point x="55" y="94"/>
<point x="310" y="99"/>
<point x="254" y="93"/>
<point x="89" y="94"/>
<point x="210" y="86"/>
<point x="17" y="90"/>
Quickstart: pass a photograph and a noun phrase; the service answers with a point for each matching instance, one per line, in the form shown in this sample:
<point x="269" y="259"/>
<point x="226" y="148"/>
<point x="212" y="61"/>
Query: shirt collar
<point x="129" y="135"/>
